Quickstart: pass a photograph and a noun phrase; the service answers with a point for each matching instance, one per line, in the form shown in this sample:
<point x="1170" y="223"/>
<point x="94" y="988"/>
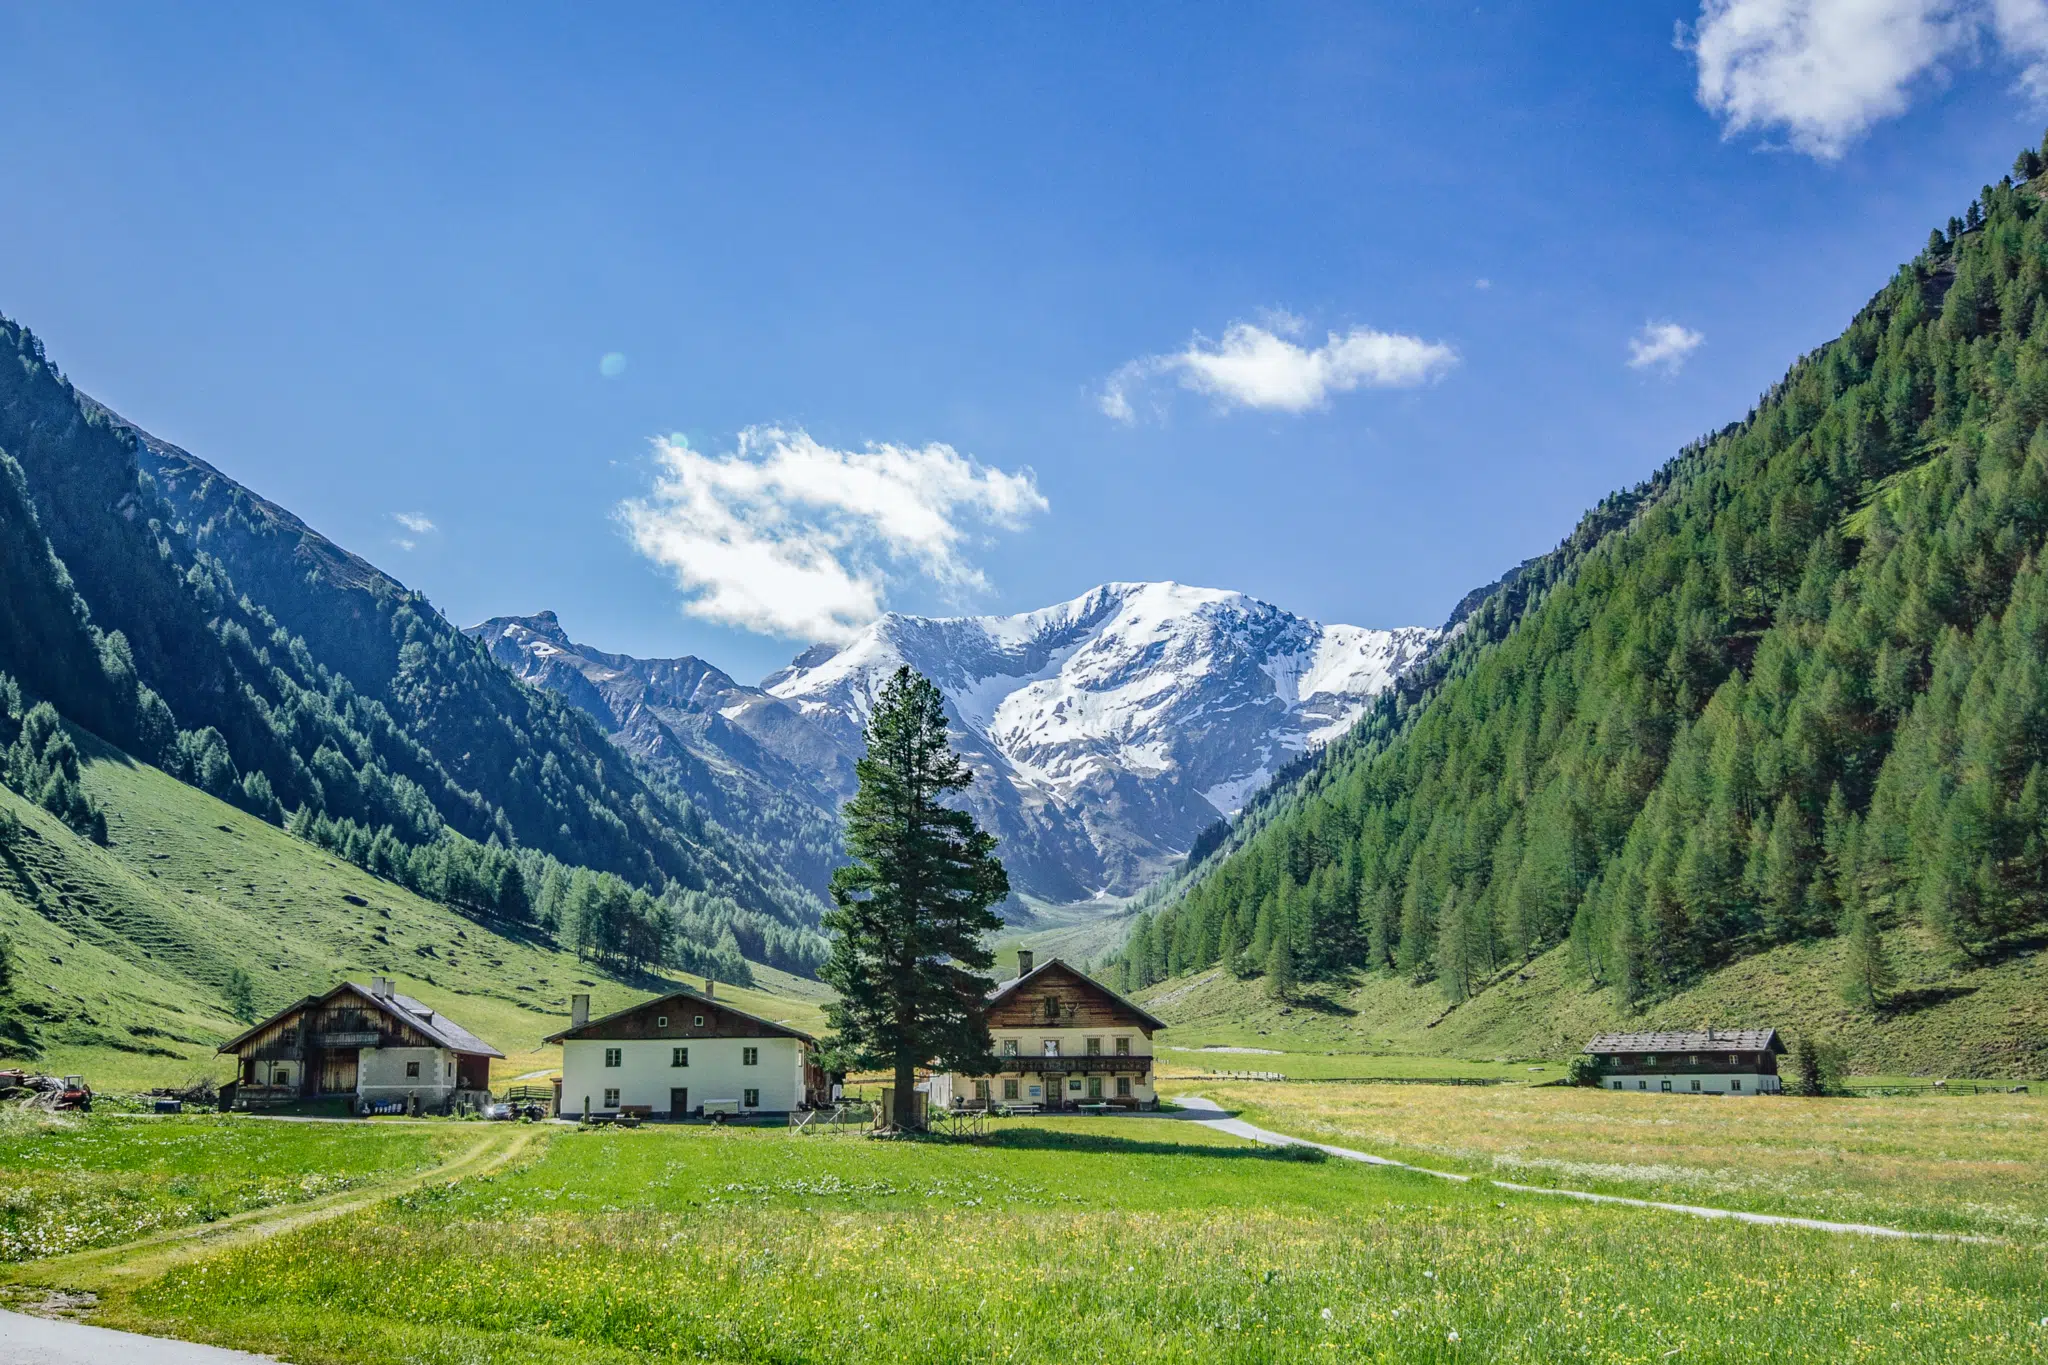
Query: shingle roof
<point x="683" y="993"/>
<point x="403" y="1008"/>
<point x="1690" y="1040"/>
<point x="999" y="992"/>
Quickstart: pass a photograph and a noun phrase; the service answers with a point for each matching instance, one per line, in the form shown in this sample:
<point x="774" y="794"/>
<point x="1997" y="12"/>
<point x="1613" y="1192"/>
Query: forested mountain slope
<point x="177" y="615"/>
<point x="1801" y="691"/>
<point x="133" y="958"/>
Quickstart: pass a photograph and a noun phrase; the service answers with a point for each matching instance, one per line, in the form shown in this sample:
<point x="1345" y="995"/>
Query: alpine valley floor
<point x="1138" y="1239"/>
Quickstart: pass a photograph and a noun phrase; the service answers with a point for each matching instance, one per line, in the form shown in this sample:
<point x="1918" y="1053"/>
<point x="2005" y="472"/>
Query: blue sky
<point x="869" y="278"/>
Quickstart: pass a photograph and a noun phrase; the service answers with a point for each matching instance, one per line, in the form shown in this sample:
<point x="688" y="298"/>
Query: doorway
<point x="679" y="1102"/>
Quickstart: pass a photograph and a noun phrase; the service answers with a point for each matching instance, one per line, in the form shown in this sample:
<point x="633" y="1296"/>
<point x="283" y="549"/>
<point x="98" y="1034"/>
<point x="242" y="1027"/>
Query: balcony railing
<point x="1107" y="1063"/>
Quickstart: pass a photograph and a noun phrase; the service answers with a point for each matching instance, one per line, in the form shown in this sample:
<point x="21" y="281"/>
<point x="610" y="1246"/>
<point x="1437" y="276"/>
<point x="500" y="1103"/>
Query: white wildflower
<point x="1452" y="1336"/>
<point x="1327" y="1315"/>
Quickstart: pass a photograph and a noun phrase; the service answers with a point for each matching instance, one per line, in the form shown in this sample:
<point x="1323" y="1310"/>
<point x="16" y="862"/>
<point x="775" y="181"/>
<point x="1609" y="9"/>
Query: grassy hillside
<point x="1987" y="1021"/>
<point x="122" y="953"/>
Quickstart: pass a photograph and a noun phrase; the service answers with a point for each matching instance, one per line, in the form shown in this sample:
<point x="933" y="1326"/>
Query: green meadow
<point x="1139" y="1239"/>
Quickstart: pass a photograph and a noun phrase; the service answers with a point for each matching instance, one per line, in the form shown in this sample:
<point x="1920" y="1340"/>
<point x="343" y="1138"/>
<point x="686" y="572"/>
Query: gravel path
<point x="1210" y="1114"/>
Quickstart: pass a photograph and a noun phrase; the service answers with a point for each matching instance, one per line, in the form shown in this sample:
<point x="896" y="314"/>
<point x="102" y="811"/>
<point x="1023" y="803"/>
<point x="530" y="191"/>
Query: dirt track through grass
<point x="95" y="1269"/>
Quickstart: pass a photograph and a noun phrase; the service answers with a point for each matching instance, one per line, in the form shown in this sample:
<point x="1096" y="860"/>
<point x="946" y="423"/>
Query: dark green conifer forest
<point x="1792" y="686"/>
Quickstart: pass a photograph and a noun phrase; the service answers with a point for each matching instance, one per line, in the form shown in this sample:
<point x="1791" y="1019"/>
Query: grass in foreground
<point x="1121" y="1240"/>
<point x="1969" y="1164"/>
<point x="68" y="1182"/>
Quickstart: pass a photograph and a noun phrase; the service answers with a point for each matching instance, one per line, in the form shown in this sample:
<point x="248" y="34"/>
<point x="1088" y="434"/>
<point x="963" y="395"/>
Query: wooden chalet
<point x="1063" y="1040"/>
<point x="369" y="1043"/>
<point x="1691" y="1061"/>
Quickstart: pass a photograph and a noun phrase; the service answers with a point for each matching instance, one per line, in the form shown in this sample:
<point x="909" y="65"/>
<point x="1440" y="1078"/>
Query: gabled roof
<point x="681" y="993"/>
<point x="1689" y="1040"/>
<point x="408" y="1011"/>
<point x="1016" y="983"/>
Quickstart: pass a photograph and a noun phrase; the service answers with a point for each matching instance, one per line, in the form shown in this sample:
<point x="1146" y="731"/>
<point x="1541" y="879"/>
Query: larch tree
<point x="911" y="911"/>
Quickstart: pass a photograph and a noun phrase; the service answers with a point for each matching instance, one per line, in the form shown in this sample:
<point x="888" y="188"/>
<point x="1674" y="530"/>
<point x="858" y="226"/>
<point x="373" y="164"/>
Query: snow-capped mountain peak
<point x="1179" y="700"/>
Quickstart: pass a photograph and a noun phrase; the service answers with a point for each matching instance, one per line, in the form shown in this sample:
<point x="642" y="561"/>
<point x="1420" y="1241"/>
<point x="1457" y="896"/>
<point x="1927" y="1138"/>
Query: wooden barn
<point x="365" y="1042"/>
<point x="1691" y="1062"/>
<point x="1063" y="1040"/>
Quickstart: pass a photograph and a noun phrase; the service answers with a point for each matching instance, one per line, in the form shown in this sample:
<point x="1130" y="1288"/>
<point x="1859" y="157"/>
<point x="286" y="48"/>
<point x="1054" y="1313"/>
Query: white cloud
<point x="788" y="537"/>
<point x="1662" y="345"/>
<point x="415" y="522"/>
<point x="1824" y="71"/>
<point x="1258" y="367"/>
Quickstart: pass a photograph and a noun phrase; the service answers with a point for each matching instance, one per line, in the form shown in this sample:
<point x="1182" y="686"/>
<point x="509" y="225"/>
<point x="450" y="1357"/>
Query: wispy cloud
<point x="1257" y="366"/>
<point x="415" y="522"/>
<point x="787" y="537"/>
<point x="1823" y="71"/>
<point x="1662" y="346"/>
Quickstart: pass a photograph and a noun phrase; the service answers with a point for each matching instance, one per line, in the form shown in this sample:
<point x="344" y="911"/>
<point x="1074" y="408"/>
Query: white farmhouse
<point x="683" y="1054"/>
<point x="1691" y="1062"/>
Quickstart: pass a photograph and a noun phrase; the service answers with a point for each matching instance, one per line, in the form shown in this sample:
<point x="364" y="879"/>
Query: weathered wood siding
<point x="1061" y="998"/>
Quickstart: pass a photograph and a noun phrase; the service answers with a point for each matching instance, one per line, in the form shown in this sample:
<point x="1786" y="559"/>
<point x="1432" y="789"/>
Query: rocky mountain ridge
<point x="1107" y="731"/>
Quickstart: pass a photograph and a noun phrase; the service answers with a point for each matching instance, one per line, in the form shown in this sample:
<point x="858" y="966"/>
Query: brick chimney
<point x="579" y="1011"/>
<point x="1024" y="957"/>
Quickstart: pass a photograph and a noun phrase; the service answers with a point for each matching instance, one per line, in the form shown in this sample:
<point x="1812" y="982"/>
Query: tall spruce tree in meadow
<point x="910" y="913"/>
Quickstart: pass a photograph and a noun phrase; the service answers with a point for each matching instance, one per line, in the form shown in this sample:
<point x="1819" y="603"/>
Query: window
<point x="1694" y="1060"/>
<point x="1095" y="1087"/>
<point x="661" y="1021"/>
<point x="1051" y="1046"/>
<point x="699" y="1023"/>
<point x="1074" y="1084"/>
<point x="1735" y="1059"/>
<point x="1123" y="1087"/>
<point x="981" y="1091"/>
<point x="750" y="1056"/>
<point x="1123" y="1047"/>
<point x="679" y="1056"/>
<point x="412" y="1069"/>
<point x="611" y="1099"/>
<point x="1667" y="1082"/>
<point x="1695" y="1083"/>
<point x="1052" y="1007"/>
<point x="1009" y="1047"/>
<point x="750" y="1099"/>
<point x="1010" y="1089"/>
<point x="1735" y="1083"/>
<point x="1616" y="1085"/>
<point x="1642" y="1085"/>
<point x="611" y="1056"/>
<point x="1094" y="1047"/>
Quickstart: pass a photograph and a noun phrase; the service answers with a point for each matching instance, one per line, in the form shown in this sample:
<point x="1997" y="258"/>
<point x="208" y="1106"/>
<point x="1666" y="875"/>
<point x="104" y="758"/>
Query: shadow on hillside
<point x="1919" y="998"/>
<point x="1320" y="1003"/>
<point x="1034" y="1139"/>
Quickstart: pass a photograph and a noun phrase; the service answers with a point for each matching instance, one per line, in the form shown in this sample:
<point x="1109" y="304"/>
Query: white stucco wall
<point x="1689" y="1084"/>
<point x="716" y="1072"/>
<point x="380" y="1073"/>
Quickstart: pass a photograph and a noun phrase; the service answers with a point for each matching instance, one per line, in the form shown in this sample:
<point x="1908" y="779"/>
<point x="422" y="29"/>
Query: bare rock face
<point x="1105" y="733"/>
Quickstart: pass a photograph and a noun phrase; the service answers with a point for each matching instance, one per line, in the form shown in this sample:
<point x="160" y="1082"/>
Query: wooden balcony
<point x="1102" y="1063"/>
